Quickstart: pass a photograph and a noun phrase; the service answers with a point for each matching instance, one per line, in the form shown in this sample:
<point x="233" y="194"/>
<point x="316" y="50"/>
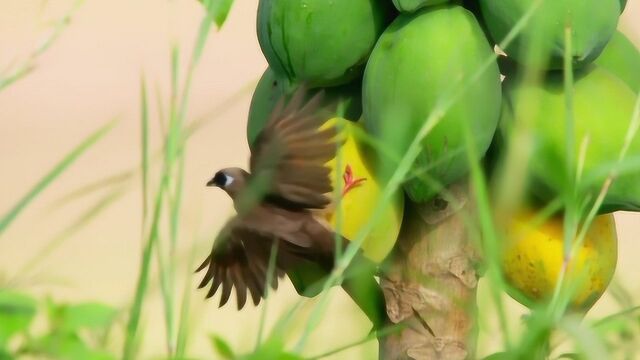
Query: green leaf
<point x="4" y="355"/>
<point x="497" y="356"/>
<point x="221" y="346"/>
<point x="68" y="347"/>
<point x="57" y="170"/>
<point x="93" y="316"/>
<point x="272" y="348"/>
<point x="218" y="10"/>
<point x="272" y="354"/>
<point x="16" y="313"/>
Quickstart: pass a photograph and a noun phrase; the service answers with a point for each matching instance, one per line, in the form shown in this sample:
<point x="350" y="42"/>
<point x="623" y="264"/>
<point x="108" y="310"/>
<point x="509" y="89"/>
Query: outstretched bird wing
<point x="240" y="259"/>
<point x="291" y="153"/>
<point x="289" y="159"/>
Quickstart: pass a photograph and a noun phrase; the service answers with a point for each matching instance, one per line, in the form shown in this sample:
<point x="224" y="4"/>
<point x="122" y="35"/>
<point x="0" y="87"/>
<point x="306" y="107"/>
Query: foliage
<point x="73" y="331"/>
<point x="82" y="331"/>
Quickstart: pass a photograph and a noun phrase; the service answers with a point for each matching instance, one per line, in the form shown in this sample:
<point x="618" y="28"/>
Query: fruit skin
<point x="413" y="5"/>
<point x="603" y="108"/>
<point x="533" y="256"/>
<point x="272" y="88"/>
<point x="320" y="42"/>
<point x="593" y="23"/>
<point x="359" y="204"/>
<point x="418" y="61"/>
<point x="356" y="210"/>
<point x="622" y="58"/>
<point x="474" y="7"/>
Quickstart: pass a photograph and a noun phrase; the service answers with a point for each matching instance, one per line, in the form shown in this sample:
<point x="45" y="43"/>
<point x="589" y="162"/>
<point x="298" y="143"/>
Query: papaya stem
<point x="431" y="283"/>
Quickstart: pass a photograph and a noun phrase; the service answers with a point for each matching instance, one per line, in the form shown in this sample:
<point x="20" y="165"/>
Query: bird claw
<point x="349" y="181"/>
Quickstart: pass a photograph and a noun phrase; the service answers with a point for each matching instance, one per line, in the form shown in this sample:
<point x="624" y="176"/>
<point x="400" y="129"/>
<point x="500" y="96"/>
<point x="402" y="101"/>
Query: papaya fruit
<point x="413" y="5"/>
<point x="361" y="196"/>
<point x="533" y="256"/>
<point x="271" y="88"/>
<point x="417" y="64"/>
<point x="541" y="43"/>
<point x="352" y="176"/>
<point x="474" y="7"/>
<point x="622" y="58"/>
<point x="603" y="107"/>
<point x="320" y="42"/>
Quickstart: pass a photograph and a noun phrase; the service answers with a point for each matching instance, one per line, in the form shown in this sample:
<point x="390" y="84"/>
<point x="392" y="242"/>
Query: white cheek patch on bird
<point x="350" y="182"/>
<point x="228" y="180"/>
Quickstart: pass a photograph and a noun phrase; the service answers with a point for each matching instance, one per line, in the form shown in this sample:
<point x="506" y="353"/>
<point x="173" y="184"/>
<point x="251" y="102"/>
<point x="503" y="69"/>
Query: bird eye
<point x="220" y="179"/>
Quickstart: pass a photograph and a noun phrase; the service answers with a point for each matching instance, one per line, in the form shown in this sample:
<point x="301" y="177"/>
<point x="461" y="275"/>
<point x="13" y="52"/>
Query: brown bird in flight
<point x="277" y="207"/>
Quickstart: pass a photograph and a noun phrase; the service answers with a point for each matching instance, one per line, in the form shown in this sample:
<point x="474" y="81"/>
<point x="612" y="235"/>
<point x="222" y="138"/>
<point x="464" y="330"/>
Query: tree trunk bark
<point x="431" y="282"/>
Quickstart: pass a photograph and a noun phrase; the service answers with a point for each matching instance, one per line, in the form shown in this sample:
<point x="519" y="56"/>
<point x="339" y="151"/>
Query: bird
<point x="277" y="205"/>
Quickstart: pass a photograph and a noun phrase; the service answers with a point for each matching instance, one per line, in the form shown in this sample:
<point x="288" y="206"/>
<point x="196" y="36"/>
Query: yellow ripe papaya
<point x="361" y="192"/>
<point x="533" y="256"/>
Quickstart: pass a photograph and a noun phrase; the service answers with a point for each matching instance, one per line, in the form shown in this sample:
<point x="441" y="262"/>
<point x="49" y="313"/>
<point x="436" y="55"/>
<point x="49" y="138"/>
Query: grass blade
<point x="143" y="277"/>
<point x="57" y="170"/>
<point x="83" y="220"/>
<point x="218" y="10"/>
<point x="271" y="269"/>
<point x="144" y="165"/>
<point x="184" y="321"/>
<point x="30" y="64"/>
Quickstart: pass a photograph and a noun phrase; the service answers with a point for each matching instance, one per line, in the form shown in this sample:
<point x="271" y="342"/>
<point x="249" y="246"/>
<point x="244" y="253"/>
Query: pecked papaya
<point x="320" y="42"/>
<point x="622" y="58"/>
<point x="271" y="88"/>
<point x="420" y="61"/>
<point x="542" y="40"/>
<point x="603" y="108"/>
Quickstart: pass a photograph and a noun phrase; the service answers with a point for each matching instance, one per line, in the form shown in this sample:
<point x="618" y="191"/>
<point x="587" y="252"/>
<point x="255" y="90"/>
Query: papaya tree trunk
<point x="430" y="284"/>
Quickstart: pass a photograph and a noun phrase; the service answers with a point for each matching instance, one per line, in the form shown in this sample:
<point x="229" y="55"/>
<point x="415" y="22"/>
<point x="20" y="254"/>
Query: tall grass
<point x="162" y="212"/>
<point x="52" y="175"/>
<point x="14" y="73"/>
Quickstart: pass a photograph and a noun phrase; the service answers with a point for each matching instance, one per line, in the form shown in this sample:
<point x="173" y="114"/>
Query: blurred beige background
<point x="91" y="75"/>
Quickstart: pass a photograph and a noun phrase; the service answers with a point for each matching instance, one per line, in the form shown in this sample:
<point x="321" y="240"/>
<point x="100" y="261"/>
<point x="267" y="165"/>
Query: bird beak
<point x="211" y="183"/>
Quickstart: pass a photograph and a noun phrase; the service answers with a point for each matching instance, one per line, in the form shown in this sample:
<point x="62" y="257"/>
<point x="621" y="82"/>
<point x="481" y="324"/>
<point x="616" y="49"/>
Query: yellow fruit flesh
<point x="533" y="259"/>
<point x="359" y="203"/>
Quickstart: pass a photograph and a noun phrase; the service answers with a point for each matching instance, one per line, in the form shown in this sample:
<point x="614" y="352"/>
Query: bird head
<point x="231" y="180"/>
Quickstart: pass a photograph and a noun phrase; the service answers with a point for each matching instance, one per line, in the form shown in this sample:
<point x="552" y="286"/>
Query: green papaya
<point x="416" y="66"/>
<point x="413" y="5"/>
<point x="271" y="88"/>
<point x="622" y="58"/>
<point x="265" y="97"/>
<point x="320" y="42"/>
<point x="474" y="7"/>
<point x="541" y="43"/>
<point x="603" y="107"/>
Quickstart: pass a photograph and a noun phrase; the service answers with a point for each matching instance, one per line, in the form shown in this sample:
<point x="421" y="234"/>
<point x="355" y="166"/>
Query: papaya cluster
<point x="570" y="89"/>
<point x="399" y="68"/>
